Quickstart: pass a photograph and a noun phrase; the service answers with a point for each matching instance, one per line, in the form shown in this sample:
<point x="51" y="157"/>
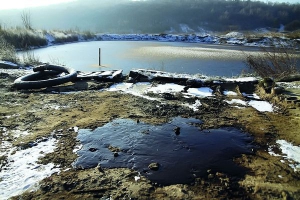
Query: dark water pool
<point x="181" y="157"/>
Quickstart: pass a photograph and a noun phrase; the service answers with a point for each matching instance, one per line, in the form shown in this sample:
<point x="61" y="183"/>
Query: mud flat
<point x="41" y="140"/>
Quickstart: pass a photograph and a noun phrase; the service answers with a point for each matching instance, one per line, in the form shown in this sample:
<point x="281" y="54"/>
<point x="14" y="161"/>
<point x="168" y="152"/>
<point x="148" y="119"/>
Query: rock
<point x="116" y="154"/>
<point x="211" y="176"/>
<point x="99" y="168"/>
<point x="154" y="166"/>
<point x="277" y="90"/>
<point x="92" y="149"/>
<point x="177" y="130"/>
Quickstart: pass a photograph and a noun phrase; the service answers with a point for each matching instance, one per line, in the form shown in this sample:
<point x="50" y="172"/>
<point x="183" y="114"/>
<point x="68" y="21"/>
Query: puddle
<point x="181" y="157"/>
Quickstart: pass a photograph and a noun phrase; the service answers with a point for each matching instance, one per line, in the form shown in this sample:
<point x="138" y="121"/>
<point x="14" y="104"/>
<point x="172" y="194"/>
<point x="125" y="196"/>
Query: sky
<point x="22" y="4"/>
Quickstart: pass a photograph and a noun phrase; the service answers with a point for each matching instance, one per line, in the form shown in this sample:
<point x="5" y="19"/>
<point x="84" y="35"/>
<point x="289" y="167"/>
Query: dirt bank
<point x="53" y="113"/>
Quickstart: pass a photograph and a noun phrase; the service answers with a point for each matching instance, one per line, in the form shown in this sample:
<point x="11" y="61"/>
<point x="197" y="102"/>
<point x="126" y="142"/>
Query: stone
<point x="177" y="130"/>
<point x="154" y="166"/>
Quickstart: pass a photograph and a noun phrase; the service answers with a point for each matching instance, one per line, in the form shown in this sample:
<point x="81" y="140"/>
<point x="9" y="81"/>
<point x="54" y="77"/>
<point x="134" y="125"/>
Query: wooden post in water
<point x="99" y="56"/>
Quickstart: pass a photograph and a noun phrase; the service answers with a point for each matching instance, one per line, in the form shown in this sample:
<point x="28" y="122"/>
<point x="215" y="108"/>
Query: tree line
<point x="154" y="15"/>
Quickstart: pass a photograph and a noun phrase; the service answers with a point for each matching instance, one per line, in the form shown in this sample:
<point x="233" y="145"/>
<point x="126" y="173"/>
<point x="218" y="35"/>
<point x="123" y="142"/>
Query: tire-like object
<point x="30" y="81"/>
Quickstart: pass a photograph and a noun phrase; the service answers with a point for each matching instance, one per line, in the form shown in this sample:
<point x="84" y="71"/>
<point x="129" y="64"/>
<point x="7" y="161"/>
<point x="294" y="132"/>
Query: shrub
<point x="273" y="62"/>
<point x="294" y="34"/>
<point x="292" y="26"/>
<point x="30" y="59"/>
<point x="23" y="39"/>
<point x="7" y="51"/>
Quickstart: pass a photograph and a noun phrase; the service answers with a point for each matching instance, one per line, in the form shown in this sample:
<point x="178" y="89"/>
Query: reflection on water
<point x="189" y="53"/>
<point x="216" y="60"/>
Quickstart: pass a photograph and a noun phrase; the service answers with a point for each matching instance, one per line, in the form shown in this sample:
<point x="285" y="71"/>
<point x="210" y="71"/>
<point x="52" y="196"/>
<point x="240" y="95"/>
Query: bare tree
<point x="26" y="19"/>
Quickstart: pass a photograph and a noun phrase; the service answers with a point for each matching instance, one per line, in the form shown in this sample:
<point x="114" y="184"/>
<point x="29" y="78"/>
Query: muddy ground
<point x="48" y="111"/>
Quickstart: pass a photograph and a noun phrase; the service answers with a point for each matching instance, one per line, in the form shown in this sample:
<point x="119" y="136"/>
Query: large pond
<point x="207" y="59"/>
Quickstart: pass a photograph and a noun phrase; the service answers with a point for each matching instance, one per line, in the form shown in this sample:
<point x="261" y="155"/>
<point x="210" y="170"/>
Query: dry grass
<point x="7" y="51"/>
<point x="273" y="62"/>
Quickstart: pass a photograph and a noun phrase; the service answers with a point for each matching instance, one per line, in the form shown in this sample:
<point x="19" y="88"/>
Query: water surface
<point x="182" y="157"/>
<point x="215" y="60"/>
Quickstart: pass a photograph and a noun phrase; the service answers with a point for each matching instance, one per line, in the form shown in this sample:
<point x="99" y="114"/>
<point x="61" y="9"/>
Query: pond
<point x="179" y="57"/>
<point x="179" y="149"/>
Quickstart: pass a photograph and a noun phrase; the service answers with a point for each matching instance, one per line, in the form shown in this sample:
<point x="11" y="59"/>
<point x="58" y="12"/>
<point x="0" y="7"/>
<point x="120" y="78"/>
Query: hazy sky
<point x="21" y="4"/>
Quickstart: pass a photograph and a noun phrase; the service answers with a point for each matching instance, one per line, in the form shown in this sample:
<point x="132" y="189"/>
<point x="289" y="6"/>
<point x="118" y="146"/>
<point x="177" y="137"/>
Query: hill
<point x="160" y="16"/>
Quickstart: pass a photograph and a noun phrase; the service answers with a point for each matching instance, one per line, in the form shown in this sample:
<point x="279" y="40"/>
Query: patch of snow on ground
<point x="138" y="89"/>
<point x="155" y="73"/>
<point x="5" y="147"/>
<point x="120" y="87"/>
<point x="201" y="92"/>
<point x="291" y="153"/>
<point x="237" y="101"/>
<point x="166" y="88"/>
<point x="77" y="148"/>
<point x="262" y="106"/>
<point x="242" y="79"/>
<point x="230" y="93"/>
<point x="234" y="34"/>
<point x="195" y="106"/>
<point x="23" y="172"/>
<point x="141" y="90"/>
<point x="18" y="133"/>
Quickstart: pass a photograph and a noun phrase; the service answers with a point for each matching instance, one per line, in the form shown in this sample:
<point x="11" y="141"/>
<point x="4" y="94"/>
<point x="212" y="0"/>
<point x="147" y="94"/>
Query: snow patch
<point x="166" y="88"/>
<point x="262" y="106"/>
<point x="234" y="34"/>
<point x="230" y="93"/>
<point x="290" y="153"/>
<point x="18" y="133"/>
<point x="195" y="106"/>
<point x="242" y="79"/>
<point x="201" y="92"/>
<point x="23" y="172"/>
<point x="237" y="101"/>
<point x="120" y="87"/>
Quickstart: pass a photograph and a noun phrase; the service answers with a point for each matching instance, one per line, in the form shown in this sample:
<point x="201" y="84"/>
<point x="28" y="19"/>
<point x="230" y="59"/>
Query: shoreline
<point x="227" y="39"/>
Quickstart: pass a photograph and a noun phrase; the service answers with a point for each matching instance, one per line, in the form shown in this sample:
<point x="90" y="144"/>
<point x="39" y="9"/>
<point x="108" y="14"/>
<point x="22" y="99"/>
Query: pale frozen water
<point x="178" y="57"/>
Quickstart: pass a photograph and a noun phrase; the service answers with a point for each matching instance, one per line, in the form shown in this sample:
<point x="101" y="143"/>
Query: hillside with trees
<point x="157" y="16"/>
